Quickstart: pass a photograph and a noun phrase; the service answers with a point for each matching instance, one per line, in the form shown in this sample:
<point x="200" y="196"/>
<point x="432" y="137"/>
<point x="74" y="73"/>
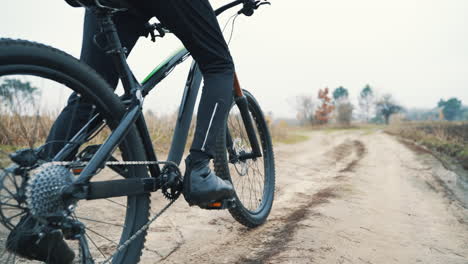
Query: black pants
<point x="195" y="24"/>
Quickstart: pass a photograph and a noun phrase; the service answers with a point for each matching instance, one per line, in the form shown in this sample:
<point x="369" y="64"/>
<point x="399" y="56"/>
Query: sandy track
<point x="342" y="197"/>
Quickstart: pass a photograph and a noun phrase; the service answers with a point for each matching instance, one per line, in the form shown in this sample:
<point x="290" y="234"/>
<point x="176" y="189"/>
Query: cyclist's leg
<point x="195" y="24"/>
<point x="77" y="112"/>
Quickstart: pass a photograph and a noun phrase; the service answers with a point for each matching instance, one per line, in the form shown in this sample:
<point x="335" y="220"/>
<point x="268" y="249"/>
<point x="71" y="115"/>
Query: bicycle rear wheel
<point x="34" y="81"/>
<point x="253" y="179"/>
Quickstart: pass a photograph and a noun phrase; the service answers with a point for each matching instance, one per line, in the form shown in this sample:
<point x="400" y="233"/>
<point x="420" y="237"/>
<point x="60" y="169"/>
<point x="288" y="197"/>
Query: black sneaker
<point x="51" y="249"/>
<point x="201" y="185"/>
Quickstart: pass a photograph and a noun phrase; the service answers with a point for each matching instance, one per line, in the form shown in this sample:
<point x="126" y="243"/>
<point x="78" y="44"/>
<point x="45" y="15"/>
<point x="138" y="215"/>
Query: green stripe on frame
<point x="162" y="64"/>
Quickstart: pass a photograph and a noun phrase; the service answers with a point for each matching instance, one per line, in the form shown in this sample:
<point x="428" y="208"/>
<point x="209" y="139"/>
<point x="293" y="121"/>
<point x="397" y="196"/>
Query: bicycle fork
<point x="243" y="105"/>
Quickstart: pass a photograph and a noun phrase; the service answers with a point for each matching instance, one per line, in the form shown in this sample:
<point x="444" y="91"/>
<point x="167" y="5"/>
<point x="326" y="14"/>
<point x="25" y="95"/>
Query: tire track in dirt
<point x="360" y="152"/>
<point x="285" y="234"/>
<point x="349" y="153"/>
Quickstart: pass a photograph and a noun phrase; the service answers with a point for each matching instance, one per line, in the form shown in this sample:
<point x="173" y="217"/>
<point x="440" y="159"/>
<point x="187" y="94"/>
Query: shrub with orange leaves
<point x="322" y="114"/>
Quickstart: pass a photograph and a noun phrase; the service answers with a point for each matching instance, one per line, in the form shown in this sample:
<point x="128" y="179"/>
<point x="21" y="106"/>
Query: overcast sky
<point x="416" y="50"/>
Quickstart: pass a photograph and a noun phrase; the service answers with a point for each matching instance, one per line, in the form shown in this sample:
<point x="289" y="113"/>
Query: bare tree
<point x="366" y="101"/>
<point x="305" y="109"/>
<point x="344" y="112"/>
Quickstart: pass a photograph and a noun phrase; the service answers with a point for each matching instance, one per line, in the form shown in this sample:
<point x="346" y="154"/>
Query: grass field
<point x="448" y="138"/>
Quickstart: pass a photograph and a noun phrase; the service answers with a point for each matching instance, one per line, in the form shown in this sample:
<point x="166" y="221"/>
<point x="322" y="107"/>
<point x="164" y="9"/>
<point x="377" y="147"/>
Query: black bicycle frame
<point x="83" y="188"/>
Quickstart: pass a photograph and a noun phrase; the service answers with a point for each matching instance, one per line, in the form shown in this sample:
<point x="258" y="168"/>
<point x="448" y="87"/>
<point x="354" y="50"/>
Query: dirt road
<point x="355" y="196"/>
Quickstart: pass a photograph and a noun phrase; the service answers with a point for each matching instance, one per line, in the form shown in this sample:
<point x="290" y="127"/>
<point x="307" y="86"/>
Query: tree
<point x="464" y="114"/>
<point x="16" y="96"/>
<point x="17" y="99"/>
<point x="340" y="92"/>
<point x="387" y="106"/>
<point x="322" y="114"/>
<point x="450" y="108"/>
<point x="344" y="111"/>
<point x="366" y="101"/>
<point x="305" y="109"/>
<point x="12" y="89"/>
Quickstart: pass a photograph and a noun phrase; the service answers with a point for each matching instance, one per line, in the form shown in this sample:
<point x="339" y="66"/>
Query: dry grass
<point x="18" y="132"/>
<point x="27" y="131"/>
<point x="448" y="138"/>
<point x="161" y="129"/>
<point x="24" y="131"/>
<point x="284" y="133"/>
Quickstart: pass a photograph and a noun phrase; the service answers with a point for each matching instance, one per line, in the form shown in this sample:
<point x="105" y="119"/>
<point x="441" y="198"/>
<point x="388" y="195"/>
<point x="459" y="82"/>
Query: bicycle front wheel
<point x="35" y="82"/>
<point x="253" y="179"/>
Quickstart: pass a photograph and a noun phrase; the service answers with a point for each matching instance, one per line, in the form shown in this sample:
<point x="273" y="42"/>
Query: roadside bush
<point x="448" y="138"/>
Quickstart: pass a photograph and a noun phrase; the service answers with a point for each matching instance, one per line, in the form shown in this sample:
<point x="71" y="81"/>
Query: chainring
<point x="171" y="182"/>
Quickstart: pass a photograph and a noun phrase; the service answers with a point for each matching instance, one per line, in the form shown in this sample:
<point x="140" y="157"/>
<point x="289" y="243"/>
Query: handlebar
<point x="248" y="9"/>
<point x="119" y="5"/>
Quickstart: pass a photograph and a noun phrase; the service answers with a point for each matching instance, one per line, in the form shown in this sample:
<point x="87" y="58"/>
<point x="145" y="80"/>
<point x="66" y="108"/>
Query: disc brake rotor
<point x="242" y="167"/>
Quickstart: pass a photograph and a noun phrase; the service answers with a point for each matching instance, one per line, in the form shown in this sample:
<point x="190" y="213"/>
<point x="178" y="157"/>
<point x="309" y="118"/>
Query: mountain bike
<point x="96" y="190"/>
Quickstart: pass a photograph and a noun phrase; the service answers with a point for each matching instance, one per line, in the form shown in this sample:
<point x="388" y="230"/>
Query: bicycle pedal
<point x="219" y="205"/>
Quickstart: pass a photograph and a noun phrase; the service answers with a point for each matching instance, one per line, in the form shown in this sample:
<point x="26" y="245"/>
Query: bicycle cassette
<point x="44" y="192"/>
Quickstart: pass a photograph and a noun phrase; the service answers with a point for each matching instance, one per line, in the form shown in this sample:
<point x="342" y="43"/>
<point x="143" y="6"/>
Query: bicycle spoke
<point x="261" y="183"/>
<point x="9" y="192"/>
<point x="10" y="209"/>
<point x="94" y="244"/>
<point x="12" y="205"/>
<point x="97" y="221"/>
<point x="13" y="181"/>
<point x="241" y="131"/>
<point x="11" y="217"/>
<point x="250" y="191"/>
<point x="254" y="185"/>
<point x="102" y="236"/>
<point x="243" y="187"/>
<point x="114" y="202"/>
<point x="255" y="193"/>
<point x="7" y="199"/>
<point x="3" y="253"/>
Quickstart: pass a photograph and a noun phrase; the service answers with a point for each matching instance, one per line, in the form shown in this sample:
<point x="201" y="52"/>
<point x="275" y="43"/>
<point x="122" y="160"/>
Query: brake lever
<point x="260" y="3"/>
<point x="151" y="28"/>
<point x="248" y="8"/>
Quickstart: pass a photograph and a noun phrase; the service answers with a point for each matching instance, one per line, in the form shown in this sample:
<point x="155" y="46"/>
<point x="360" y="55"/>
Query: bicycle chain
<point x="67" y="163"/>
